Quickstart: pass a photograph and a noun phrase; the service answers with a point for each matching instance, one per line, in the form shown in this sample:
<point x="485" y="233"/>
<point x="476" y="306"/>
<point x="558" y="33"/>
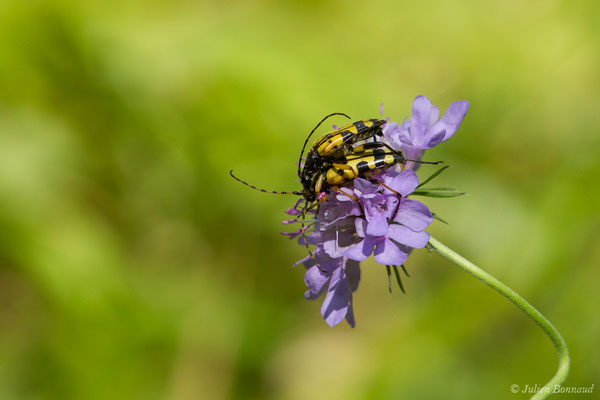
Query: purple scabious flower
<point x="372" y="216"/>
<point x="425" y="129"/>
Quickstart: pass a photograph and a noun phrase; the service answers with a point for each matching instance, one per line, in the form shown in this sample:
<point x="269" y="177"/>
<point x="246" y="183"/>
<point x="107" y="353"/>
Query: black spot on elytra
<point x="363" y="167"/>
<point x="380" y="163"/>
<point x="379" y="154"/>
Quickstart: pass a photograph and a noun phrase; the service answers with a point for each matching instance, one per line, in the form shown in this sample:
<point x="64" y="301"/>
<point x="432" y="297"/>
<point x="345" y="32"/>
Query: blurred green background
<point x="133" y="267"/>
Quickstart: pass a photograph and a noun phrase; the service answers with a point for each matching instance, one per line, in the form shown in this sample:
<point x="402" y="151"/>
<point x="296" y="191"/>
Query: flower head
<point x="425" y="129"/>
<point x="371" y="215"/>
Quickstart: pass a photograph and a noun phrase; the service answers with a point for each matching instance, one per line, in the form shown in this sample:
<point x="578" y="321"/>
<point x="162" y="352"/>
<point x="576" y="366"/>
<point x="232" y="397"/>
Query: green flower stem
<point x="549" y="329"/>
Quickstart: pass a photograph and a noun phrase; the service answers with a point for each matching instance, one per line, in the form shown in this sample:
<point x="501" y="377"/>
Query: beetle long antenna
<point x="262" y="190"/>
<point x="304" y="237"/>
<point x="303" y="228"/>
<point x="425" y="162"/>
<point x="313" y="131"/>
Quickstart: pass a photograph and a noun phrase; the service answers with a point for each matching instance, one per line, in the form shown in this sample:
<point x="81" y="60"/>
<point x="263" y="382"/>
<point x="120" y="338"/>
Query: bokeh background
<point x="133" y="267"/>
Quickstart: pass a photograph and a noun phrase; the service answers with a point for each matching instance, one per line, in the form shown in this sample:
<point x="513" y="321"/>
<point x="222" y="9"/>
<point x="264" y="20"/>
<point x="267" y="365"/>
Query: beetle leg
<point x="387" y="187"/>
<point x="338" y="190"/>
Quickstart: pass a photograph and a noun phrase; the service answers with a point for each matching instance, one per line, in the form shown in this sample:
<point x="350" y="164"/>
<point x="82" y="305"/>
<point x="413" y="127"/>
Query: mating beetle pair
<point x="339" y="157"/>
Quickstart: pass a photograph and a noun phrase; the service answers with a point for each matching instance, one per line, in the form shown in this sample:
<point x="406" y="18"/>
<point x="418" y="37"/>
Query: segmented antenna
<point x="307" y="207"/>
<point x="425" y="162"/>
<point x="303" y="228"/>
<point x="262" y="190"/>
<point x="313" y="131"/>
<point x="304" y="237"/>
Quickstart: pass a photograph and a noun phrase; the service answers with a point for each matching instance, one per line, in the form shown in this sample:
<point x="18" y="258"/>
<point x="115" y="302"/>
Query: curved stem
<point x="547" y="327"/>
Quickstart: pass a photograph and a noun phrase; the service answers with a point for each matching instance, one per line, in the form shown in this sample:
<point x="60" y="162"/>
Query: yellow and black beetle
<point x="340" y="156"/>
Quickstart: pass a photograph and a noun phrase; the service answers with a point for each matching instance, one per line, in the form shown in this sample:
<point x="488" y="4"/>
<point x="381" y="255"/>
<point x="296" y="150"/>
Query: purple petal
<point x="413" y="214"/>
<point x="332" y="249"/>
<point x="408" y="237"/>
<point x="308" y="295"/>
<point x="327" y="263"/>
<point x="378" y="225"/>
<point x="350" y="314"/>
<point x="330" y="211"/>
<point x="434" y="115"/>
<point x="295" y="234"/>
<point x="390" y="131"/>
<point x="307" y="261"/>
<point x="387" y="253"/>
<point x="362" y="250"/>
<point x="391" y="205"/>
<point x="315" y="280"/>
<point x="344" y="195"/>
<point x="404" y="138"/>
<point x="435" y="139"/>
<point x="397" y="135"/>
<point x="452" y="118"/>
<point x="363" y="186"/>
<point x="367" y="205"/>
<point x="361" y="226"/>
<point x="315" y="237"/>
<point x="353" y="274"/>
<point x="294" y="210"/>
<point x="421" y="112"/>
<point x="335" y="305"/>
<point x="341" y="241"/>
<point x="404" y="183"/>
<point x="412" y="153"/>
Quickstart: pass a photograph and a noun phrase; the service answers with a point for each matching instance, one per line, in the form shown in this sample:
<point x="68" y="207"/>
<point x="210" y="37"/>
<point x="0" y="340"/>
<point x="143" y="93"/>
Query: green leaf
<point x="398" y="278"/>
<point x="389" y="275"/>
<point x="435" y="216"/>
<point x="438" y="188"/>
<point x="427" y="193"/>
<point x="405" y="271"/>
<point x="432" y="176"/>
